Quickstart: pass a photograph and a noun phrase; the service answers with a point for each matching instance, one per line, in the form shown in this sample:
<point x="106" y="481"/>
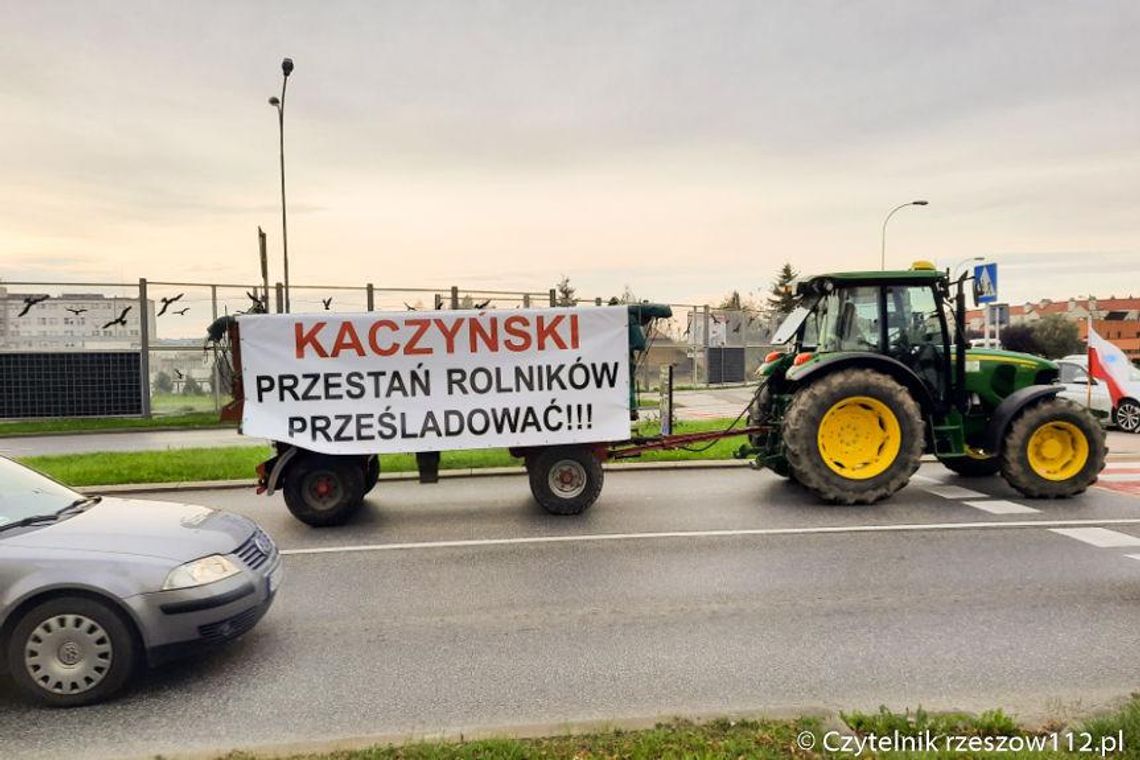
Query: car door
<point x="1077" y="388"/>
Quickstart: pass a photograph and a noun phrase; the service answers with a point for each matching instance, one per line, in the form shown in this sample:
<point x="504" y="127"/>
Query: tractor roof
<point x="873" y="277"/>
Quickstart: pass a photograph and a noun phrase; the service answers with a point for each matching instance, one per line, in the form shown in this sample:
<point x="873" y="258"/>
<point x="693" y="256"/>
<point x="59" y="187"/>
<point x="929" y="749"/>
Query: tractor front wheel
<point x="1054" y="449"/>
<point x="853" y="437"/>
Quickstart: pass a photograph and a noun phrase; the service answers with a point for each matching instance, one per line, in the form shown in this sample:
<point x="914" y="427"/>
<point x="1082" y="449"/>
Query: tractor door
<point x="917" y="336"/>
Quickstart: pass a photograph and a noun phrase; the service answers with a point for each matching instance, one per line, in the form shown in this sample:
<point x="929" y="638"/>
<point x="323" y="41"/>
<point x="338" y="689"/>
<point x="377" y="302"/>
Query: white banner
<point x="386" y="382"/>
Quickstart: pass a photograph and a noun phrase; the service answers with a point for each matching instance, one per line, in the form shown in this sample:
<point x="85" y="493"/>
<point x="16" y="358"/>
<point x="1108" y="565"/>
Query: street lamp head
<point x="287" y="66"/>
<point x="919" y="203"/>
<point x="273" y="101"/>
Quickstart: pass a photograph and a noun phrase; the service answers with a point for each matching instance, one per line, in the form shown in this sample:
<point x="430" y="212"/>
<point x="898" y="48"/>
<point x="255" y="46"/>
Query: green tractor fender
<point x="825" y="364"/>
<point x="1010" y="407"/>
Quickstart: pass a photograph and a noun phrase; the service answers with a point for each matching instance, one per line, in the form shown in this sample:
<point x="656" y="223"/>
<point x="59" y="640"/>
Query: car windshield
<point x="25" y="493"/>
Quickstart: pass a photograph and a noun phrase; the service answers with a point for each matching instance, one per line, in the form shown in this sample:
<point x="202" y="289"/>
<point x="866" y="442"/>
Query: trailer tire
<point x="853" y="437"/>
<point x="371" y="473"/>
<point x="323" y="490"/>
<point x="1053" y="450"/>
<point x="565" y="480"/>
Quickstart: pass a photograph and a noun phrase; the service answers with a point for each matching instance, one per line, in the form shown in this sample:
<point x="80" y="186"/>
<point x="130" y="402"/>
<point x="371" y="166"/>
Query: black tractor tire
<point x="1127" y="416"/>
<point x="565" y="480"/>
<point x="1066" y="421"/>
<point x="801" y="433"/>
<point x="323" y="490"/>
<point x="71" y="651"/>
<point x="371" y="473"/>
<point x="758" y="413"/>
<point x="973" y="467"/>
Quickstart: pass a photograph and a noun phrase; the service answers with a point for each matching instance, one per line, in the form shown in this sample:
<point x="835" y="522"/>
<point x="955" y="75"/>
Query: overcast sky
<point x="684" y="149"/>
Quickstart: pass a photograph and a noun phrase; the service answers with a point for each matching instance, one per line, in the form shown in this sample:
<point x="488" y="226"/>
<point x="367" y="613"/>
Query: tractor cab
<point x="898" y="315"/>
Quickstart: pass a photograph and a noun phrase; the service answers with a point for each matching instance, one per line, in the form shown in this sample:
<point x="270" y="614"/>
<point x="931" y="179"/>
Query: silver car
<point x="92" y="588"/>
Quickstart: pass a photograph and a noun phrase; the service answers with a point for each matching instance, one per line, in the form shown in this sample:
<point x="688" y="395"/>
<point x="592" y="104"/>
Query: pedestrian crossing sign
<point x="985" y="283"/>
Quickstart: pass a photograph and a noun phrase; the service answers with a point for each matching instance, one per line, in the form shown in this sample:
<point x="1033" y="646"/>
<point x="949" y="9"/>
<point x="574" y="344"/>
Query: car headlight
<point x="200" y="572"/>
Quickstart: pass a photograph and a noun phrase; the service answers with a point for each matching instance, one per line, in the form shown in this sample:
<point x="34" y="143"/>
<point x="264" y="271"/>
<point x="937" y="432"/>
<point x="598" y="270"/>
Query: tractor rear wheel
<point x="853" y="437"/>
<point x="1053" y="450"/>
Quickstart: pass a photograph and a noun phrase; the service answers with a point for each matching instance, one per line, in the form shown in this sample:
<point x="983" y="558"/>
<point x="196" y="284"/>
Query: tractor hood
<point x="1011" y="357"/>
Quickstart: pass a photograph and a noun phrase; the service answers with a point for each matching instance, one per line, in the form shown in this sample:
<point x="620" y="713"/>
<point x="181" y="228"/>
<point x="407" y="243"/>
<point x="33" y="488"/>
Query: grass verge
<point x="80" y="424"/>
<point x="1116" y="735"/>
<point x="238" y="462"/>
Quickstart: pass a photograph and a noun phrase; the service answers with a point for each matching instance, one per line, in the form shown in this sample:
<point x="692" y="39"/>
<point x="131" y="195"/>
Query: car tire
<point x="72" y="651"/>
<point x="324" y="490"/>
<point x="1127" y="416"/>
<point x="565" y="480"/>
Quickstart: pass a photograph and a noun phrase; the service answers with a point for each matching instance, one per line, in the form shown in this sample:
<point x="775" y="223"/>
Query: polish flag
<point x="1108" y="363"/>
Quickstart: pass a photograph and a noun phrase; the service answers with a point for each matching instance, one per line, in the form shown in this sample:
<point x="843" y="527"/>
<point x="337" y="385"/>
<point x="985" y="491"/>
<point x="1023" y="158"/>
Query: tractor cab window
<point x="914" y="332"/>
<point x="848" y="320"/>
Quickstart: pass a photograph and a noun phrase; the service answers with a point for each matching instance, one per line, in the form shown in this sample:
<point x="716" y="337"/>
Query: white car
<point x="1075" y="378"/>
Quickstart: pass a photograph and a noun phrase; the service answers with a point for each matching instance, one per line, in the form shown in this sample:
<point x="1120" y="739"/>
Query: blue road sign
<point x="985" y="283"/>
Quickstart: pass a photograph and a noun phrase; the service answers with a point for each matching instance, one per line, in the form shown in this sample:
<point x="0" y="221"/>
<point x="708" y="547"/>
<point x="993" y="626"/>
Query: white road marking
<point x="1099" y="537"/>
<point x="588" y="537"/>
<point x="1001" y="507"/>
<point x="1132" y="556"/>
<point x="954" y="492"/>
<point x="1118" y="476"/>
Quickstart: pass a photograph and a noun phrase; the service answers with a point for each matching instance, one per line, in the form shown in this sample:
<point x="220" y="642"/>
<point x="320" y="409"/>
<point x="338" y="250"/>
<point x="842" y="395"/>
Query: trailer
<point x="333" y="393"/>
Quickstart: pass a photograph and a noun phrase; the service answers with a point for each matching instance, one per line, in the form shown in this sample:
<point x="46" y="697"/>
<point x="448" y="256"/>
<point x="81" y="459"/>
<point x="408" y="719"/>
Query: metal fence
<point x="164" y="323"/>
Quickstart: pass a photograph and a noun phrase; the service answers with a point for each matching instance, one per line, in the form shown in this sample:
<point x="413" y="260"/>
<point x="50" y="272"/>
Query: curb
<point x="482" y="472"/>
<point x="828" y="717"/>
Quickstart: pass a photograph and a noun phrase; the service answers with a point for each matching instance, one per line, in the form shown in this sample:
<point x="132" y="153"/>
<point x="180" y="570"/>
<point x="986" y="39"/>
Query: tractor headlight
<point x="200" y="572"/>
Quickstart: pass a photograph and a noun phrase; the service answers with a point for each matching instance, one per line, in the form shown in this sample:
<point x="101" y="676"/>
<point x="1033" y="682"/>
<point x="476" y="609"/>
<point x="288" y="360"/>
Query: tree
<point x="732" y="302"/>
<point x="566" y="293"/>
<point x="1057" y="336"/>
<point x="190" y="387"/>
<point x="1020" y="338"/>
<point x="782" y="299"/>
<point x="163" y="383"/>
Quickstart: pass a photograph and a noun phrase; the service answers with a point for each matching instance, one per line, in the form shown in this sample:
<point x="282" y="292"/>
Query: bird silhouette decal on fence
<point x="327" y="302"/>
<point x="180" y="312"/>
<point x="76" y="312"/>
<point x="120" y="320"/>
<point x="31" y="301"/>
<point x="166" y="303"/>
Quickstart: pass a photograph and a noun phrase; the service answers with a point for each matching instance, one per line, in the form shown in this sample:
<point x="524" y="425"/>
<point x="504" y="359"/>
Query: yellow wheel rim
<point x="859" y="437"/>
<point x="1058" y="450"/>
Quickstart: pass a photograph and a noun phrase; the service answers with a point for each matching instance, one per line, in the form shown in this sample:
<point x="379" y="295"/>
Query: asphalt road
<point x="462" y="605"/>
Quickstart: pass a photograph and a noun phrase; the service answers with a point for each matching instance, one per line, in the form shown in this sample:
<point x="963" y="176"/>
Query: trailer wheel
<point x="371" y="473"/>
<point x="565" y="480"/>
<point x="323" y="490"/>
<point x="853" y="437"/>
<point x="1053" y="450"/>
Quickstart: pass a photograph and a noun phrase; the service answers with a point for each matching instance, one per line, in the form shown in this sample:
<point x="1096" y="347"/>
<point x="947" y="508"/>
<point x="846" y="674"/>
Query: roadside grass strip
<point x="238" y="462"/>
<point x="187" y="420"/>
<point x="994" y="733"/>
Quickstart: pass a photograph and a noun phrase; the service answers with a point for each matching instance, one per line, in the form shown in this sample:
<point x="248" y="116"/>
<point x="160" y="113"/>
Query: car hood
<point x="178" y="532"/>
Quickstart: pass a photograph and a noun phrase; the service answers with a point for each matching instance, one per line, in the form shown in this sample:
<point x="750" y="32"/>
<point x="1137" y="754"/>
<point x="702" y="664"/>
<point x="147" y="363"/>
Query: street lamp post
<point x="883" y="247"/>
<point x="279" y="104"/>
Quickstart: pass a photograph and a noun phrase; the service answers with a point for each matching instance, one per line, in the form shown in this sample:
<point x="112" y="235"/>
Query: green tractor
<point x="879" y="373"/>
